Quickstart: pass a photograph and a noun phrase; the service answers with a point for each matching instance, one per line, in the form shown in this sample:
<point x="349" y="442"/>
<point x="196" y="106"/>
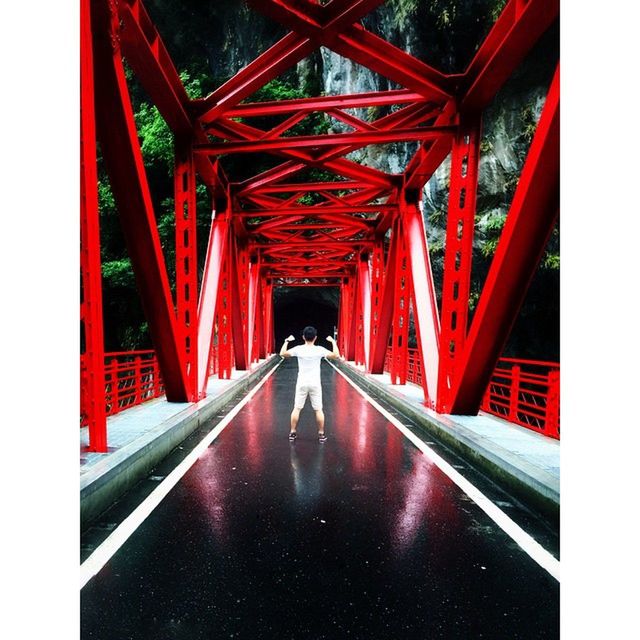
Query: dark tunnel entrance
<point x="296" y="307"/>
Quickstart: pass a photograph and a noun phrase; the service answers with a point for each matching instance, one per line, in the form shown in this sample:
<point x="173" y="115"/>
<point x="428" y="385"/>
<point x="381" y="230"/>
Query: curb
<point x="110" y="478"/>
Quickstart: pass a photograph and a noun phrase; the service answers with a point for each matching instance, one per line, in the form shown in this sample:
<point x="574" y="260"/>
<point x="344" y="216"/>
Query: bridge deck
<point x="362" y="536"/>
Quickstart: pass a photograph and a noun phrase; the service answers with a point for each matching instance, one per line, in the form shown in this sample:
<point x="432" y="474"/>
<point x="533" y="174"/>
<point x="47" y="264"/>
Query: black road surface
<point x="360" y="537"/>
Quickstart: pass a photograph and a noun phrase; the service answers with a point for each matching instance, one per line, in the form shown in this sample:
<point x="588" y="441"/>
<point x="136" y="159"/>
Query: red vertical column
<point x="529" y="224"/>
<point x="352" y="316"/>
<point x="364" y="288"/>
<point x="268" y="317"/>
<point x="186" y="263"/>
<point x="93" y="392"/>
<point x="458" y="253"/>
<point x="240" y="282"/>
<point x="223" y="315"/>
<point x="401" y="301"/>
<point x="377" y="281"/>
<point x="253" y="309"/>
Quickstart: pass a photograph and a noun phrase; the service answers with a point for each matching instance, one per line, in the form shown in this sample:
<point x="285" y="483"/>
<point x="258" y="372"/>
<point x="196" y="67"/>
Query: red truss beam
<point x="529" y="223"/>
<point x="324" y="103"/>
<point x="518" y="28"/>
<point x="277" y="59"/>
<point x="210" y="292"/>
<point x="359" y="45"/>
<point x="425" y="308"/>
<point x="385" y="307"/>
<point x="359" y="139"/>
<point x="514" y="34"/>
<point x="123" y="160"/>
<point x="346" y="185"/>
<point x="186" y="263"/>
<point x="314" y="210"/>
<point x="458" y="249"/>
<point x="147" y="55"/>
<point x="92" y="403"/>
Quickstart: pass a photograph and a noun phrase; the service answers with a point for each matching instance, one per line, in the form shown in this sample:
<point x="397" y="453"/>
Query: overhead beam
<point x="323" y="103"/>
<point x="359" y="138"/>
<point x="514" y="34"/>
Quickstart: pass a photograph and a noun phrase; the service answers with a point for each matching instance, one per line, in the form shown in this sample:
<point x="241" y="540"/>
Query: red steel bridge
<point x="364" y="234"/>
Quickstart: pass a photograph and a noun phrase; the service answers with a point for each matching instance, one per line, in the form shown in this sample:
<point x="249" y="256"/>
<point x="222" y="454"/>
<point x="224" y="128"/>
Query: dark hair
<point x="309" y="333"/>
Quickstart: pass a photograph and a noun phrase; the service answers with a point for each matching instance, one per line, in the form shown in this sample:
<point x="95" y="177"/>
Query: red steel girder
<point x="323" y="103"/>
<point x="377" y="280"/>
<point x="400" y="292"/>
<point x="290" y="187"/>
<point x="123" y="160"/>
<point x="277" y="59"/>
<point x="314" y="210"/>
<point x="425" y="310"/>
<point x="93" y="392"/>
<point x="147" y="55"/>
<point x="361" y="46"/>
<point x="385" y="307"/>
<point x="210" y="291"/>
<point x="529" y="223"/>
<point x="239" y="274"/>
<point x="186" y="263"/>
<point x="514" y="34"/>
<point x="458" y="250"/>
<point x="356" y="139"/>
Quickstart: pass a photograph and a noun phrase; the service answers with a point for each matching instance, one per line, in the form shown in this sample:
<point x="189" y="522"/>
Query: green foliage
<point x="118" y="273"/>
<point x="156" y="140"/>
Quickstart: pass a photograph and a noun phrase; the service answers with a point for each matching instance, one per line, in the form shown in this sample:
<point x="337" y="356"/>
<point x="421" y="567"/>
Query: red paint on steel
<point x="458" y="252"/>
<point x="268" y="237"/>
<point x="529" y="223"/>
<point x="92" y="360"/>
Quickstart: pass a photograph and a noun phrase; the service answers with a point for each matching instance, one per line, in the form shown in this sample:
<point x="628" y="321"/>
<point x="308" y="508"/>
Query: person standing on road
<point x="308" y="383"/>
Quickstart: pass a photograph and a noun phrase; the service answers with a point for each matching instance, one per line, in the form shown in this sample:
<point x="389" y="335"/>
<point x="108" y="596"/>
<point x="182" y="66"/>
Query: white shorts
<point x="313" y="391"/>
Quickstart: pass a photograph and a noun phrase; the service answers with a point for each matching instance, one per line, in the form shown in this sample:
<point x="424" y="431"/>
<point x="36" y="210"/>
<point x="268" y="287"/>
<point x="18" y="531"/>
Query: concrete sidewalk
<point x="524" y="463"/>
<point x="140" y="437"/>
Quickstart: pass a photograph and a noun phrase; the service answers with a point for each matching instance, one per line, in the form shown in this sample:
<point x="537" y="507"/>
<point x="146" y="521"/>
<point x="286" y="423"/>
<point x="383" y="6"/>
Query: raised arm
<point x="335" y="354"/>
<point x="283" y="352"/>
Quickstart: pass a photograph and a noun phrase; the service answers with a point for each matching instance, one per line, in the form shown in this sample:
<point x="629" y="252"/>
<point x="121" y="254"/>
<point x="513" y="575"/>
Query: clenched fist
<point x="330" y="339"/>
<point x="290" y="339"/>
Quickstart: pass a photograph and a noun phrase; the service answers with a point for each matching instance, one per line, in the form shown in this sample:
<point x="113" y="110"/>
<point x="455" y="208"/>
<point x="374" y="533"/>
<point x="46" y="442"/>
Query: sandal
<point x="293" y="435"/>
<point x="322" y="437"/>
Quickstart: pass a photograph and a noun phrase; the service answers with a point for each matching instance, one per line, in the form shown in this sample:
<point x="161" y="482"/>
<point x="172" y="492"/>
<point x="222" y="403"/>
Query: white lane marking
<point x="92" y="565"/>
<point x="532" y="548"/>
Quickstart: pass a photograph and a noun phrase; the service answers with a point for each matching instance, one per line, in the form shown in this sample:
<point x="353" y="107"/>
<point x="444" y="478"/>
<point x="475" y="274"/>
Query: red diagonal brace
<point x="123" y="160"/>
<point x="425" y="310"/>
<point x="209" y="292"/>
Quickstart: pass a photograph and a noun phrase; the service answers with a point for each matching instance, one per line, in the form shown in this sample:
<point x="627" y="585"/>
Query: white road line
<point x="521" y="537"/>
<point x="92" y="565"/>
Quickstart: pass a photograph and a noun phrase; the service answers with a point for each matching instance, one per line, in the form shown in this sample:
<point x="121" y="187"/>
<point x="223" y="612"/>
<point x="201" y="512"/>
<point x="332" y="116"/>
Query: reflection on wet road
<point x="359" y="537"/>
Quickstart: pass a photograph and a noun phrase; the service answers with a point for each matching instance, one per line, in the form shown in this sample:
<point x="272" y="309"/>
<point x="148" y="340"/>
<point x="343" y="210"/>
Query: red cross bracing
<point x="364" y="232"/>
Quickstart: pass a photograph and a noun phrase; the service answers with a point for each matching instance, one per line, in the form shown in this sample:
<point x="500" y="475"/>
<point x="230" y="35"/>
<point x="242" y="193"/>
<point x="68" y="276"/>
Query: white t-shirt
<point x="309" y="357"/>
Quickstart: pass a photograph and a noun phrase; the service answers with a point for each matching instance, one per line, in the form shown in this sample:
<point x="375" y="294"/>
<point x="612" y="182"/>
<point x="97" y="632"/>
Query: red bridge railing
<point x="525" y="392"/>
<point x="131" y="378"/>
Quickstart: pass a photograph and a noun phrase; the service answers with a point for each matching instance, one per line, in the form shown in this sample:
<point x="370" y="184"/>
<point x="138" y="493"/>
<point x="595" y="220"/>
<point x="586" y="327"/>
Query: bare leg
<point x="320" y="420"/>
<point x="295" y="414"/>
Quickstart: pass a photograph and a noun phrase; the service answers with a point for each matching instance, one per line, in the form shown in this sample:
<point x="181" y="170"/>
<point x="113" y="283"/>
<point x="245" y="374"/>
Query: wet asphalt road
<point x="359" y="537"/>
